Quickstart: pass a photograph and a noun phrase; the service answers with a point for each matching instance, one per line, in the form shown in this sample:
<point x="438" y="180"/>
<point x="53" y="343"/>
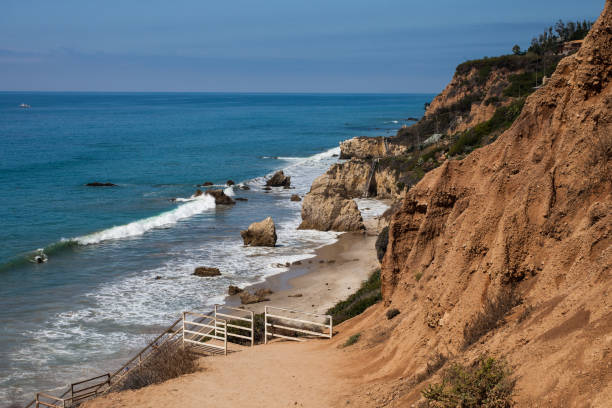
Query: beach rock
<point x="267" y="188"/>
<point x="98" y="184"/>
<point x="233" y="290"/>
<point x="279" y="180"/>
<point x="230" y="182"/>
<point x="206" y="184"/>
<point x="260" y="295"/>
<point x="261" y="233"/>
<point x="244" y="187"/>
<point x="328" y="206"/>
<point x="241" y="199"/>
<point x="198" y="193"/>
<point x="296" y="295"/>
<point x="295" y="197"/>
<point x="206" y="272"/>
<point x="220" y="197"/>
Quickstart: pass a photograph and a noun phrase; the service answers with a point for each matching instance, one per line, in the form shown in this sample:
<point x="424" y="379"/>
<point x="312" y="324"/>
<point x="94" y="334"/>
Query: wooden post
<point x="183" y="329"/>
<point x="331" y="327"/>
<point x="224" y="338"/>
<point x="252" y="329"/>
<point x="265" y="324"/>
<point x="216" y="320"/>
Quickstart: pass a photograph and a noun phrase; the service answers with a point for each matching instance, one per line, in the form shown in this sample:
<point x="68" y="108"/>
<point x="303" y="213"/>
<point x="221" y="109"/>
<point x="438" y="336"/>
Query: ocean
<point x="120" y="258"/>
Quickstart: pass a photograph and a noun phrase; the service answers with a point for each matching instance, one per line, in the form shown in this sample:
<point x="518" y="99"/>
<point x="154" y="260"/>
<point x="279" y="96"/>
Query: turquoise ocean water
<point x="97" y="299"/>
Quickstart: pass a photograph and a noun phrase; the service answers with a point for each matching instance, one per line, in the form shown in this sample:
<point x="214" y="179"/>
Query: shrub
<point x="352" y="340"/>
<point x="418" y="276"/>
<point x="170" y="361"/>
<point x="433" y="365"/>
<point x="367" y="295"/>
<point x="391" y="313"/>
<point x="490" y="318"/>
<point x="502" y="119"/>
<point x="487" y="383"/>
<point x="381" y="243"/>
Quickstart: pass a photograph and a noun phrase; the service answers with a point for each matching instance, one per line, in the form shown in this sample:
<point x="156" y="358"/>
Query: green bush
<point x="502" y="119"/>
<point x="487" y="383"/>
<point x="352" y="340"/>
<point x="367" y="295"/>
<point x="391" y="313"/>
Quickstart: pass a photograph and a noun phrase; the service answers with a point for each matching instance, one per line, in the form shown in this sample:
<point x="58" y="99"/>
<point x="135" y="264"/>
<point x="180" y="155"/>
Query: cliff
<point x="508" y="252"/>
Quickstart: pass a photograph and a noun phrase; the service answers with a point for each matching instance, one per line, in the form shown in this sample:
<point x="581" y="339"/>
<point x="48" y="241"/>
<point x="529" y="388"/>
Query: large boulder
<point x="295" y="197"/>
<point x="328" y="206"/>
<point x="331" y="213"/>
<point x="261" y="233"/>
<point x="220" y="197"/>
<point x="279" y="180"/>
<point x="206" y="272"/>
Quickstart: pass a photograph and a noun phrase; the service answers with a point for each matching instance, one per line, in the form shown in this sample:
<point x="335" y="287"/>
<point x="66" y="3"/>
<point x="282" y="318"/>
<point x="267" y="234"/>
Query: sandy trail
<point x="282" y="374"/>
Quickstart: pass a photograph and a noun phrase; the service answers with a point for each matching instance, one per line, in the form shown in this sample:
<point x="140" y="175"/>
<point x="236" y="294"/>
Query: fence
<point x="230" y="313"/>
<point x="204" y="328"/>
<point x="203" y="331"/>
<point x="295" y="323"/>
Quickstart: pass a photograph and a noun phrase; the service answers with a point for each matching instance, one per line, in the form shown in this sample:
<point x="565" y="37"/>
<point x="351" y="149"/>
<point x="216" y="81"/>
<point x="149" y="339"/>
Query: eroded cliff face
<point x="528" y="216"/>
<point x="362" y="147"/>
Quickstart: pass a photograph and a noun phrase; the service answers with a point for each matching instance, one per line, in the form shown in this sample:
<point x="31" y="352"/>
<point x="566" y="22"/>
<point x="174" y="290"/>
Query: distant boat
<point x="24" y="106"/>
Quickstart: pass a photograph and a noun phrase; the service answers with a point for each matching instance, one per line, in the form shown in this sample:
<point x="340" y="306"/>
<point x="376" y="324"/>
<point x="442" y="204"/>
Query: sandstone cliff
<point x="524" y="223"/>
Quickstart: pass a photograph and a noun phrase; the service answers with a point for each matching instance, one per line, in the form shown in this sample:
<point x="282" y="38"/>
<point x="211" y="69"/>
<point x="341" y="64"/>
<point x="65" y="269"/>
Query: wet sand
<point x="316" y="284"/>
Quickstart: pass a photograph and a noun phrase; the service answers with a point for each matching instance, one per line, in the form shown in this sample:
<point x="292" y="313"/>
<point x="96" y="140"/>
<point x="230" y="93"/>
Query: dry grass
<point x="490" y="318"/>
<point x="170" y="361"/>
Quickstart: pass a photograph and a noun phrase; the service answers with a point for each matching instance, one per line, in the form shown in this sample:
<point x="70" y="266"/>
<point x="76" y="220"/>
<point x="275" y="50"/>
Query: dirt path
<point x="275" y="375"/>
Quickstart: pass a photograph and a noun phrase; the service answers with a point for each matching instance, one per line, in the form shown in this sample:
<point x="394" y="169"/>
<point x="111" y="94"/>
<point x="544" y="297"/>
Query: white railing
<point x="203" y="329"/>
<point x="296" y="324"/>
<point x="231" y="315"/>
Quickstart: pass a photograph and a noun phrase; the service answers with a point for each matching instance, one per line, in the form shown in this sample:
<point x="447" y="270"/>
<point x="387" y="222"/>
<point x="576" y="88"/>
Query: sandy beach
<point x="316" y="284"/>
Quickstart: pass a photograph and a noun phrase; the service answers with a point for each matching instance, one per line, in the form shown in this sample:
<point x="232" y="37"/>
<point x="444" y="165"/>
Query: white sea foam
<point x="189" y="209"/>
<point x="229" y="191"/>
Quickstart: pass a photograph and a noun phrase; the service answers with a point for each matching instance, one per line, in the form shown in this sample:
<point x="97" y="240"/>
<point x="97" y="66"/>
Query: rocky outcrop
<point x="233" y="290"/>
<point x="362" y="147"/>
<point x="260" y="295"/>
<point x="295" y="197"/>
<point x="220" y="197"/>
<point x="206" y="272"/>
<point x="98" y="184"/>
<point x="261" y="233"/>
<point x="328" y="206"/>
<point x="279" y="180"/>
<point x="230" y="183"/>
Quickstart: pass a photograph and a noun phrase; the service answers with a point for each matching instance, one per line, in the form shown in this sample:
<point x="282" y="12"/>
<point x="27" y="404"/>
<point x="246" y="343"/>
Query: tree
<point x="516" y="49"/>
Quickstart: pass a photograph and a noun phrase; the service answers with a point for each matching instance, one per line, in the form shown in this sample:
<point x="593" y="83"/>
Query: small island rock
<point x="206" y="272"/>
<point x="98" y="184"/>
<point x="279" y="180"/>
<point x="261" y="233"/>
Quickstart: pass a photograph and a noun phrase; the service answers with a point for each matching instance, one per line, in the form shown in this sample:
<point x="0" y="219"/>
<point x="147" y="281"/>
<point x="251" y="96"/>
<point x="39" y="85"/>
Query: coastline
<point x="316" y="284"/>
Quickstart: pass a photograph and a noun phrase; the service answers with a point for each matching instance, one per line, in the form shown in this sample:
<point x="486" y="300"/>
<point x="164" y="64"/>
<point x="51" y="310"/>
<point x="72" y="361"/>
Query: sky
<point x="348" y="46"/>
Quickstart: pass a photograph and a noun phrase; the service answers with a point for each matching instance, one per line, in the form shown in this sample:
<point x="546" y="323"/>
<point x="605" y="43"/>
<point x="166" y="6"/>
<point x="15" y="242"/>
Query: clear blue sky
<point x="261" y="46"/>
